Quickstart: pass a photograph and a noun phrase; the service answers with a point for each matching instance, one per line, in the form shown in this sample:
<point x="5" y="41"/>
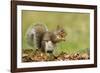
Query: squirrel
<point x="39" y="37"/>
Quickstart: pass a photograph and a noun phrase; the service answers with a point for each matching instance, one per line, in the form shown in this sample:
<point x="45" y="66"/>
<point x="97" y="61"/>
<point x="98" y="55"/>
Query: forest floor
<point x="28" y="55"/>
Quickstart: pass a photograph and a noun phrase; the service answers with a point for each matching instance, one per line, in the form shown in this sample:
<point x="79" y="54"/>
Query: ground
<point x="29" y="55"/>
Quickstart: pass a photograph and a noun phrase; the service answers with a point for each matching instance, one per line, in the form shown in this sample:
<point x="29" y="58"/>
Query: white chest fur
<point x="49" y="46"/>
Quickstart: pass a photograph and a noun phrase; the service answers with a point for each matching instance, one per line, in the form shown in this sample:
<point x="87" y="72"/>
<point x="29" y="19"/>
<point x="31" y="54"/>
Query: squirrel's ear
<point x="59" y="26"/>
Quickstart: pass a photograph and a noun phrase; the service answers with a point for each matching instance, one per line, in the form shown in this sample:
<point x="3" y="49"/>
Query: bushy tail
<point x="34" y="35"/>
<point x="30" y="37"/>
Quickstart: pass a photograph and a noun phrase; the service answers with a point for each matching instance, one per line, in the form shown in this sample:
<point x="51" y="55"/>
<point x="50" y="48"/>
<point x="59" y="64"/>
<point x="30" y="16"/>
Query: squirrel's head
<point x="61" y="33"/>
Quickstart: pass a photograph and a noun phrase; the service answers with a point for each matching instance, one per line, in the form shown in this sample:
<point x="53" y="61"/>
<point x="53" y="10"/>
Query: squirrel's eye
<point x="62" y="30"/>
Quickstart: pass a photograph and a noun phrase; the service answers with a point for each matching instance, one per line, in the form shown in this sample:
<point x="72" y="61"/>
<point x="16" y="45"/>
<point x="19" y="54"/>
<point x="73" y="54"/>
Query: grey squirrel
<point x="39" y="37"/>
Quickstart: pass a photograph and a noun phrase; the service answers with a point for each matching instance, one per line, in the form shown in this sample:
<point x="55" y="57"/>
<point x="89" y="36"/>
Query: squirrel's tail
<point x="34" y="35"/>
<point x="30" y="37"/>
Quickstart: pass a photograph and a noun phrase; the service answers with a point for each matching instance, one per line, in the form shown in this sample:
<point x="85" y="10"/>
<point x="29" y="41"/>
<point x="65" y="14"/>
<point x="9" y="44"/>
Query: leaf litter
<point x="28" y="55"/>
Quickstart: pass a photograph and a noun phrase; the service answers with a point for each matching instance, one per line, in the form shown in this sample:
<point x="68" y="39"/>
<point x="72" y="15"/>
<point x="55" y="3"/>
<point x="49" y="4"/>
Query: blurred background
<point x="77" y="26"/>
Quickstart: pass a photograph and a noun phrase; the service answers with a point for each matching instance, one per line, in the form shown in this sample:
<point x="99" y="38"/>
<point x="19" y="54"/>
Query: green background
<point x="76" y="25"/>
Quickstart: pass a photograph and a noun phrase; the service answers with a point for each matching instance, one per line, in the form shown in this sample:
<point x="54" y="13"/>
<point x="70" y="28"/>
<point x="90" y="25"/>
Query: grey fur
<point x="39" y="37"/>
<point x="34" y="35"/>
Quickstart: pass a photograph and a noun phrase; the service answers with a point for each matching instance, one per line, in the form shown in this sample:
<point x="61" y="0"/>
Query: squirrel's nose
<point x="63" y="39"/>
